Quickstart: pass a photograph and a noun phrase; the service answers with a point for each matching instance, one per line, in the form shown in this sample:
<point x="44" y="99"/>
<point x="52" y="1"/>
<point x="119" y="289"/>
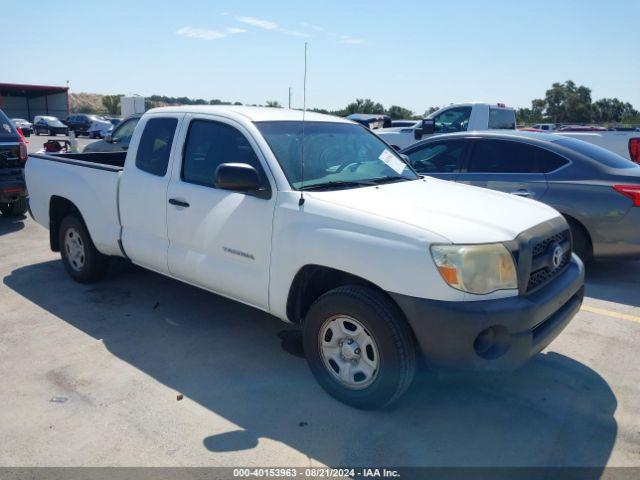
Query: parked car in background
<point x="118" y="139"/>
<point x="453" y="118"/>
<point x="81" y="123"/>
<point x="545" y="127"/>
<point x="113" y="120"/>
<point x="24" y="125"/>
<point x="403" y="123"/>
<point x="375" y="264"/>
<point x="580" y="128"/>
<point x="47" y="125"/>
<point x="13" y="155"/>
<point x="597" y="191"/>
<point x="371" y="120"/>
<point x="99" y="128"/>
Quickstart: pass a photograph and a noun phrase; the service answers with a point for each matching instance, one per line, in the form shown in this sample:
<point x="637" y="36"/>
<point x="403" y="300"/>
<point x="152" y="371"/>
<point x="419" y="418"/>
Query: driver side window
<point x="453" y="120"/>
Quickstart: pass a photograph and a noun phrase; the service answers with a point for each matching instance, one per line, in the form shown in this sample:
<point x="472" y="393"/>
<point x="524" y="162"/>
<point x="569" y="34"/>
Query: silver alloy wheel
<point x="349" y="352"/>
<point x="74" y="247"/>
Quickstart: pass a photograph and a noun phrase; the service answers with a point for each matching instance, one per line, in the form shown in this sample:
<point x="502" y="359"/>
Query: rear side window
<point x="549" y="161"/>
<point x="155" y="145"/>
<point x="495" y="156"/>
<point x="502" y="119"/>
<point x="210" y="144"/>
<point x="437" y="157"/>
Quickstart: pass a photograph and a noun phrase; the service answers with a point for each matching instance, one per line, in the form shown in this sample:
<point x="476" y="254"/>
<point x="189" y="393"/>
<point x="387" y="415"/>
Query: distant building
<point x="26" y="101"/>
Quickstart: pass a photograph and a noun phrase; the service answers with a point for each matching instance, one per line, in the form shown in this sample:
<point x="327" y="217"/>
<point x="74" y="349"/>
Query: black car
<point x="45" y="125"/>
<point x="80" y="123"/>
<point x="13" y="156"/>
<point x="596" y="190"/>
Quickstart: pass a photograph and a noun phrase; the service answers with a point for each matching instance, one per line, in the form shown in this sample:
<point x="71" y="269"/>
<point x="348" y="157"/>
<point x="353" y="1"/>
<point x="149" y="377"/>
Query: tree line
<point x="570" y="103"/>
<point x="563" y="103"/>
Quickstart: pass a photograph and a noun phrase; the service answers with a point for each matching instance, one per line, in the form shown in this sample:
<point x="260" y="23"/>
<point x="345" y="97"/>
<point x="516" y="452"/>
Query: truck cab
<point x="453" y="118"/>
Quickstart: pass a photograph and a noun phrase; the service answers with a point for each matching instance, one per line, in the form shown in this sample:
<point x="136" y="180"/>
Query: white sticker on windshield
<point x="392" y="161"/>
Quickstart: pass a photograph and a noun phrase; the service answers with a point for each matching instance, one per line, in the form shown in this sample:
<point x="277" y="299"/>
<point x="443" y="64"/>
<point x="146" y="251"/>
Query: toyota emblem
<point x="556" y="257"/>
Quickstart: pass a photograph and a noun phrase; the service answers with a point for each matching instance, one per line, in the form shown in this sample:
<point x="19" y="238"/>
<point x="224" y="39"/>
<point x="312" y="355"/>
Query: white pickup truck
<point x="377" y="264"/>
<point x="625" y="144"/>
<point x="452" y="118"/>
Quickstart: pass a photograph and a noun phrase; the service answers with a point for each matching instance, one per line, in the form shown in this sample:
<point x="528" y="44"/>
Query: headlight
<point x="479" y="269"/>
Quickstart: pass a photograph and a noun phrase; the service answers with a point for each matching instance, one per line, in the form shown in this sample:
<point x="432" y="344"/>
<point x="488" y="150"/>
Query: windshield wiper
<point x="380" y="181"/>
<point x="338" y="184"/>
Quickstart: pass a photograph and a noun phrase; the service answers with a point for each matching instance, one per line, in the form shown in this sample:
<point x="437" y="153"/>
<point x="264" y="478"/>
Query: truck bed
<point x="617" y="142"/>
<point x="113" y="160"/>
<point x="89" y="181"/>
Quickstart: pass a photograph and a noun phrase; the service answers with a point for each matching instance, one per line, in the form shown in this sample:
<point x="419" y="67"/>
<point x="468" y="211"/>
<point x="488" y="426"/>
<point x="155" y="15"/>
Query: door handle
<point x="178" y="203"/>
<point x="522" y="193"/>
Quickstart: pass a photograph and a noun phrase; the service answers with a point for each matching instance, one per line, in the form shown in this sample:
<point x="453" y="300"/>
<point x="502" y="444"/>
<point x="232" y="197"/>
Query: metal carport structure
<point x="26" y="101"/>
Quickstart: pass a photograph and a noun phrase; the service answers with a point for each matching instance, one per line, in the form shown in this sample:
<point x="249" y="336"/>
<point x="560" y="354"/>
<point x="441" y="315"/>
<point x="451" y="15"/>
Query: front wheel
<point x="359" y="347"/>
<point x="83" y="262"/>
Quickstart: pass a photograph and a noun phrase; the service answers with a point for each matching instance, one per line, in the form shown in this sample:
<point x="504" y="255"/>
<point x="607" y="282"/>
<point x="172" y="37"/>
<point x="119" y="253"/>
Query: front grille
<point x="543" y="269"/>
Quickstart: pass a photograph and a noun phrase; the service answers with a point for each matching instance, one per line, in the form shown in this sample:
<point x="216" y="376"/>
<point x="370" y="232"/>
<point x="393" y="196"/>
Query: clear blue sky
<point x="410" y="53"/>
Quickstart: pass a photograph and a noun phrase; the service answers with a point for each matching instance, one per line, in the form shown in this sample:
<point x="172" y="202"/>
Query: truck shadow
<point x="229" y="358"/>
<point x="11" y="224"/>
<point x="614" y="281"/>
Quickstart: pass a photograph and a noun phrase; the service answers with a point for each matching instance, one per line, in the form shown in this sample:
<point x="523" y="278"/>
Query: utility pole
<point x="290" y="97"/>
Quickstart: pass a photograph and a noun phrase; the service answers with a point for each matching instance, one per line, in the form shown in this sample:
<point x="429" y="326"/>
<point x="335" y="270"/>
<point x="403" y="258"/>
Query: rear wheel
<point x="82" y="260"/>
<point x="15" y="209"/>
<point x="359" y="347"/>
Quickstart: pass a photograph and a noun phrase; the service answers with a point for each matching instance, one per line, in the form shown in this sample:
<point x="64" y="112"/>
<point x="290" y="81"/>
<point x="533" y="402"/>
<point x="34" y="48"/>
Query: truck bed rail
<point x="109" y="161"/>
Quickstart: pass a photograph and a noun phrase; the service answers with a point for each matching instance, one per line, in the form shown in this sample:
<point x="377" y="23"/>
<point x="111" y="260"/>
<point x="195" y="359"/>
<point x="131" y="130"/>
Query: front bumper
<point x="494" y="335"/>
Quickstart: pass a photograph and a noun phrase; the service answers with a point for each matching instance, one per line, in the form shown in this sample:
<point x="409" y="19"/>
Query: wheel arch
<point x="311" y="281"/>
<point x="571" y="219"/>
<point x="59" y="207"/>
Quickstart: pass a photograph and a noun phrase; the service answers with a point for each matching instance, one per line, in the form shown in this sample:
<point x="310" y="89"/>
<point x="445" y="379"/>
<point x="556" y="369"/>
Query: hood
<point x="461" y="213"/>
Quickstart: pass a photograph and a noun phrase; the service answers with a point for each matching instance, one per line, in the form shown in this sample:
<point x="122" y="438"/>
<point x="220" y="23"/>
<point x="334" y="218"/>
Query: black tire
<point x="37" y="132"/>
<point x="51" y="134"/>
<point x="385" y="324"/>
<point x="15" y="209"/>
<point x="581" y="241"/>
<point x="91" y="265"/>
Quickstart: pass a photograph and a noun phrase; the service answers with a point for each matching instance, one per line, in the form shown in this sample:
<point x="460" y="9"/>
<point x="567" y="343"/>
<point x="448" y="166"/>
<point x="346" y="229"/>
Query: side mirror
<point x="239" y="177"/>
<point x="428" y="126"/>
<point x="417" y="133"/>
<point x="108" y="138"/>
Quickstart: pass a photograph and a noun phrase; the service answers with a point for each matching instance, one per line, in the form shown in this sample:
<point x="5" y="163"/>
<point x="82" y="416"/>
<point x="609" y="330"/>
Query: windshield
<point x="599" y="154"/>
<point x="336" y="154"/>
<point x="53" y="122"/>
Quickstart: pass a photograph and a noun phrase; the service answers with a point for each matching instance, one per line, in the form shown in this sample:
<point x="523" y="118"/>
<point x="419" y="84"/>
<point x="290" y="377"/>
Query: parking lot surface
<point x="36" y="142"/>
<point x="91" y="376"/>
